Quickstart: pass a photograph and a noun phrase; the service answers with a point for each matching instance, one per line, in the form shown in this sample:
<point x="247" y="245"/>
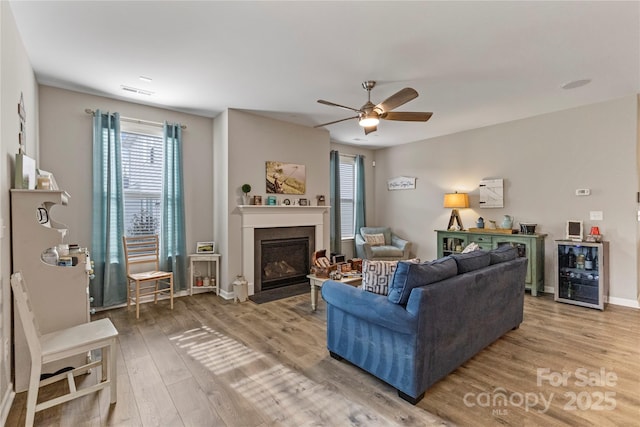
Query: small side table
<point x="209" y="259"/>
<point x="317" y="282"/>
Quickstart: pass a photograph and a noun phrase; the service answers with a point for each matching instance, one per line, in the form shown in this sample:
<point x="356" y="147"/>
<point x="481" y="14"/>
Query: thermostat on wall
<point x="583" y="192"/>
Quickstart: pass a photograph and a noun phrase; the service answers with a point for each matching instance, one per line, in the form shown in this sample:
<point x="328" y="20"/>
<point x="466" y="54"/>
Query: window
<point x="347" y="196"/>
<point x="142" y="162"/>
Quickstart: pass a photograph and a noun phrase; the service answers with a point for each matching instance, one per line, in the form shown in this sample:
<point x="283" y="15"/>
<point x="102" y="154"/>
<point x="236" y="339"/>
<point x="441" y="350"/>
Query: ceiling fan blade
<point x="368" y="130"/>
<point x="394" y="101"/>
<point x="406" y="116"/>
<point x="333" y="104"/>
<point x="335" y="121"/>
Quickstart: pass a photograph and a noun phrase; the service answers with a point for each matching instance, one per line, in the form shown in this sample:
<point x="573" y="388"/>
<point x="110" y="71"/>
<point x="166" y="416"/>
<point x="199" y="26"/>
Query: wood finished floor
<point x="211" y="362"/>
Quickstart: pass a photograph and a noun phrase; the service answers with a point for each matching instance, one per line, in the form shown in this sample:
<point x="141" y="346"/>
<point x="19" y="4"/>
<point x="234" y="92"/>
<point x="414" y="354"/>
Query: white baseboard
<point x="611" y="300"/>
<point x="7" y="401"/>
<point x="624" y="302"/>
<point x="227" y="294"/>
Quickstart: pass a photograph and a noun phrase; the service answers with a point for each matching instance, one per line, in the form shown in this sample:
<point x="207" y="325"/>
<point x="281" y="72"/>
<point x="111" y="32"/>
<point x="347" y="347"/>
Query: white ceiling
<point x="473" y="63"/>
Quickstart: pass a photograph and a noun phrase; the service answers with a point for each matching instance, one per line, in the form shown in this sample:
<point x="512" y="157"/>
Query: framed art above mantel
<point x="285" y="178"/>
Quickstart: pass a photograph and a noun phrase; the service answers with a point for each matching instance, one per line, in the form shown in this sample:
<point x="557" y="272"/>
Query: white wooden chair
<point x="80" y="339"/>
<point x="141" y="250"/>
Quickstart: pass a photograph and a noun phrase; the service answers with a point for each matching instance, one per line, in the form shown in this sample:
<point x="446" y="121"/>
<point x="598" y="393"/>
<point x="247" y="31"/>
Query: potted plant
<point x="246" y="189"/>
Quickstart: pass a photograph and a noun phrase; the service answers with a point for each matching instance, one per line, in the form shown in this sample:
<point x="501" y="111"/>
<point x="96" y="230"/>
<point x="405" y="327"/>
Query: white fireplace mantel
<point x="272" y="217"/>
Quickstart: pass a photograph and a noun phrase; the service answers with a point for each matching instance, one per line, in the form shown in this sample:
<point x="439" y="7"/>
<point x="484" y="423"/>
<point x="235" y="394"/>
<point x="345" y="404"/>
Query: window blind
<point x="347" y="196"/>
<point x="142" y="162"/>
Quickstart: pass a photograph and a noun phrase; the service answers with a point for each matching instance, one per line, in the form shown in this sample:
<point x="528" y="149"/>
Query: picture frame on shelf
<point x="575" y="230"/>
<point x="53" y="185"/>
<point x="205" y="247"/>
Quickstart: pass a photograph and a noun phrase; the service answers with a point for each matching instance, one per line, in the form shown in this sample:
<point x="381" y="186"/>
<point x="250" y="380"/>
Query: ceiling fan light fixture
<point x="368" y="121"/>
<point x="369" y="115"/>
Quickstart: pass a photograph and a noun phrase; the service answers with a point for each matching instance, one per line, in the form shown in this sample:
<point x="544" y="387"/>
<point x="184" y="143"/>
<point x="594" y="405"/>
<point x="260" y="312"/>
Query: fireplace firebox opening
<point x="282" y="256"/>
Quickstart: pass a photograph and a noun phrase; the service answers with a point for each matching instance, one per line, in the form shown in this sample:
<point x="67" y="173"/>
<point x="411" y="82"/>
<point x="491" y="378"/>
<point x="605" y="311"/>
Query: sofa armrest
<point x="402" y="244"/>
<point x="369" y="307"/>
<point x="363" y="249"/>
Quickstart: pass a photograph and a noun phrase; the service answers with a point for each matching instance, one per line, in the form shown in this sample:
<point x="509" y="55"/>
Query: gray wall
<point x="243" y="143"/>
<point x="16" y="77"/>
<point x="542" y="160"/>
<point x="66" y="151"/>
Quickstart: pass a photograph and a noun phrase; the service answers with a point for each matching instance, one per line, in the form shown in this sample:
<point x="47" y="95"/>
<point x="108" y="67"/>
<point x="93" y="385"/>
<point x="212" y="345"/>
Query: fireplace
<point x="255" y="219"/>
<point x="282" y="256"/>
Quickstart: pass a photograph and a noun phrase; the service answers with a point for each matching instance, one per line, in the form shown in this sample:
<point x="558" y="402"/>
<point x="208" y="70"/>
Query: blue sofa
<point x="437" y="316"/>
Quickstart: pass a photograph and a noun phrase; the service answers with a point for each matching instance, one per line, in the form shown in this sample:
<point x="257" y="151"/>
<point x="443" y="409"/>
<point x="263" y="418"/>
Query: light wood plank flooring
<point x="211" y="362"/>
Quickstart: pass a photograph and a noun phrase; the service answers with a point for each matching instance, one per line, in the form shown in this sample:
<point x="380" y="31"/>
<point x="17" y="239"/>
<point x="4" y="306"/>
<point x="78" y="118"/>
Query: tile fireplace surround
<point x="277" y="216"/>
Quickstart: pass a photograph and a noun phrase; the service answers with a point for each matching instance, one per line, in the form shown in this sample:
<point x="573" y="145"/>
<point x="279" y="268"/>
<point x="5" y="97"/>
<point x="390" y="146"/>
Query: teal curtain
<point x="359" y="202"/>
<point x="172" y="235"/>
<point x="109" y="284"/>
<point x="335" y="233"/>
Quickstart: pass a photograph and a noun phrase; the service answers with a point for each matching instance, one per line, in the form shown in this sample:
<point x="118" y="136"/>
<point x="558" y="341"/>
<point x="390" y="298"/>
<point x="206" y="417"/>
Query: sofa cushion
<point x="471" y="261"/>
<point x="374" y="239"/>
<point x="503" y="253"/>
<point x="386" y="251"/>
<point x="412" y="275"/>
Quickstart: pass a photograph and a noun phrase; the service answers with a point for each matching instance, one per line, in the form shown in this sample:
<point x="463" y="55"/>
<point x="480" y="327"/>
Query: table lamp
<point x="456" y="201"/>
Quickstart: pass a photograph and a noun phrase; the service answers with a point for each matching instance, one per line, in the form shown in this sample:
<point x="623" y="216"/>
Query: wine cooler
<point x="582" y="273"/>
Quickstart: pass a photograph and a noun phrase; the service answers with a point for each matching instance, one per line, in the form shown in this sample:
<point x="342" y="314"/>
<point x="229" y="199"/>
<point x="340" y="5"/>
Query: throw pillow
<point x="503" y="253"/>
<point x="412" y="275"/>
<point x="374" y="239"/>
<point x="377" y="275"/>
<point x="473" y="246"/>
<point x="471" y="261"/>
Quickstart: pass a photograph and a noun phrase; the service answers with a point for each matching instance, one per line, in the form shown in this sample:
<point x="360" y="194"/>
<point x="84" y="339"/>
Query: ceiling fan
<point x="369" y="115"/>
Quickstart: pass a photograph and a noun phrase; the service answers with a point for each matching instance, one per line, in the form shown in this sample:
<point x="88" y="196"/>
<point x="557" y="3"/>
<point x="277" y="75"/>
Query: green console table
<point x="528" y="245"/>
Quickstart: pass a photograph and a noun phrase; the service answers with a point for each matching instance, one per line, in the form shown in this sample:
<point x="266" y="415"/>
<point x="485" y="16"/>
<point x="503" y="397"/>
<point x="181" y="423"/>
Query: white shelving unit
<point x="59" y="294"/>
<point x="212" y="269"/>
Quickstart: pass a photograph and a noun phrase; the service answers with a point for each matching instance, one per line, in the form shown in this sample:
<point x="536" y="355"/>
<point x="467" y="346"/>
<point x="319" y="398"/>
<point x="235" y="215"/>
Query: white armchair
<point x="379" y="243"/>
